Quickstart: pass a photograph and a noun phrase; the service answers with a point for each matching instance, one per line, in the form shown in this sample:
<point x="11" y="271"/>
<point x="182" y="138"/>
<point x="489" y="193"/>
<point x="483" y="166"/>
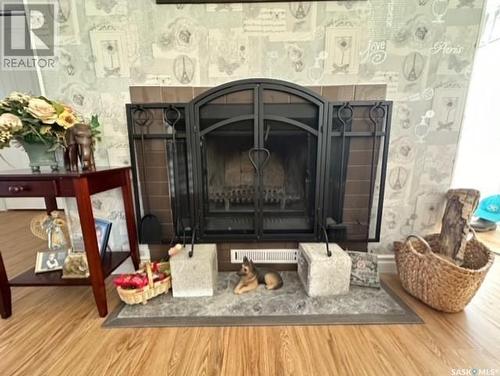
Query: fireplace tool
<point x="150" y="228"/>
<point x="172" y="122"/>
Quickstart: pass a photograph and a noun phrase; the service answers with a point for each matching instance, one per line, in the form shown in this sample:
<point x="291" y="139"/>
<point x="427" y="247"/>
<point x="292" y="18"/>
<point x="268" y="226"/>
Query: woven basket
<point x="136" y="296"/>
<point x="437" y="281"/>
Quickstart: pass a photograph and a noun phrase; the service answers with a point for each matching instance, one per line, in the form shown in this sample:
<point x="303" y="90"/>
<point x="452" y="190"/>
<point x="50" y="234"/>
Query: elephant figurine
<point x="79" y="148"/>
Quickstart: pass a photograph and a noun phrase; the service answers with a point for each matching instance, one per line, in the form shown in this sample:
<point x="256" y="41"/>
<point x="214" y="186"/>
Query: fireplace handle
<point x="193" y="235"/>
<point x="253" y="150"/>
<point x="328" y="252"/>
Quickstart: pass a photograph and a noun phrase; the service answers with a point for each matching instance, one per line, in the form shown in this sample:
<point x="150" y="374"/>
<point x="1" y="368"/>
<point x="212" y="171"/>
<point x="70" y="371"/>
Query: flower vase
<point x="39" y="155"/>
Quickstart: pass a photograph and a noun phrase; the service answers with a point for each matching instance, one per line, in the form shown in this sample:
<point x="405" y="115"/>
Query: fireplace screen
<point x="258" y="161"/>
<point x="266" y="159"/>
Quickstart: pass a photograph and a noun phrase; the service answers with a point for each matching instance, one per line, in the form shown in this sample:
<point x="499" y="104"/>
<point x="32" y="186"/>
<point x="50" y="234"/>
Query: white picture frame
<point x="50" y="260"/>
<point x="342" y="48"/>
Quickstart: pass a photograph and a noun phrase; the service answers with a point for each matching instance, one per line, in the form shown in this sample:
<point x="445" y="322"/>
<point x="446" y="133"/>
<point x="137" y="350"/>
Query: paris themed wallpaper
<point x="421" y="49"/>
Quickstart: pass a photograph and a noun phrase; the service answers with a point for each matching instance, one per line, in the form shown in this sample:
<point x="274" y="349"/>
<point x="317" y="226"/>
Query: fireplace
<point x="240" y="178"/>
<point x="257" y="161"/>
<point x="269" y="160"/>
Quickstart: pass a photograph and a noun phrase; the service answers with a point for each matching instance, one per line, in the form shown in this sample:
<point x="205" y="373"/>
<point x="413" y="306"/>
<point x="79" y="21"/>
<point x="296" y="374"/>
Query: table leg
<point x="50" y="204"/>
<point x="130" y="218"/>
<point x="82" y="195"/>
<point x="5" y="297"/>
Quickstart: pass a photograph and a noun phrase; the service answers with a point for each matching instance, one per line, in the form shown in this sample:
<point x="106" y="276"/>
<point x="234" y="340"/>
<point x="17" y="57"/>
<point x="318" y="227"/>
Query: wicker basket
<point x="437" y="281"/>
<point x="153" y="289"/>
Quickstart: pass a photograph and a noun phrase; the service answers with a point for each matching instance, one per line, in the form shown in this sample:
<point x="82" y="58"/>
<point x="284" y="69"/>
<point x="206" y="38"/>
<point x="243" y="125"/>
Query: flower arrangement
<point x="35" y="119"/>
<point x="139" y="280"/>
<point x="131" y="281"/>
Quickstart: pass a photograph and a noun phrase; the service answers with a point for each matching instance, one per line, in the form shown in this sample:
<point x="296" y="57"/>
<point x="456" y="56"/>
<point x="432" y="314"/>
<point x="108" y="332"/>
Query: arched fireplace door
<point x="263" y="159"/>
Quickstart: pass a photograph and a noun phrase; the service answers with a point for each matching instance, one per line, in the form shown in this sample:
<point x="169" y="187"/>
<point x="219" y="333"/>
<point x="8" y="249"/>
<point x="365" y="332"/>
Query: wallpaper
<point x="422" y="49"/>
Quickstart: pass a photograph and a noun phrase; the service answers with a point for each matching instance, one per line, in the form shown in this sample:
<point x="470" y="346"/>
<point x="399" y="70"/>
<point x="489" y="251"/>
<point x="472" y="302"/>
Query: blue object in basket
<point x="489" y="209"/>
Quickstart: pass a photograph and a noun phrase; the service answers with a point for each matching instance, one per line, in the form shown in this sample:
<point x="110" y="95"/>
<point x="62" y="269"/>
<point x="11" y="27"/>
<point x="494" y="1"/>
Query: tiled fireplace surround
<point x="157" y="172"/>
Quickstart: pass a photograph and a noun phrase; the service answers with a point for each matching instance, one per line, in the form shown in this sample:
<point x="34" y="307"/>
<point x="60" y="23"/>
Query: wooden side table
<point x="81" y="185"/>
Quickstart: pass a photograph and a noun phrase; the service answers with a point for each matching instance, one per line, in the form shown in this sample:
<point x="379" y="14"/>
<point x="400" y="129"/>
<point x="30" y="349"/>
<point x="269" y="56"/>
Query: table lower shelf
<point x="110" y="262"/>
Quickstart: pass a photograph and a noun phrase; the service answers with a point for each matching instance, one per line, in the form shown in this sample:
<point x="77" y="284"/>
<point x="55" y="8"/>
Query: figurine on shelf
<point x="79" y="148"/>
<point x="52" y="228"/>
<point x="75" y="265"/>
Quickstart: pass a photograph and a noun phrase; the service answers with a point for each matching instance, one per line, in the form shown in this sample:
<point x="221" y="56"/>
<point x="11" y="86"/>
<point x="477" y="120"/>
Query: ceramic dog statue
<point x="251" y="277"/>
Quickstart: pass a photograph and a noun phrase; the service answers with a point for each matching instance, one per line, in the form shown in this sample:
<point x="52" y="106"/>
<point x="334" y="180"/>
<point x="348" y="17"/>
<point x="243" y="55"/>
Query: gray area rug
<point x="287" y="306"/>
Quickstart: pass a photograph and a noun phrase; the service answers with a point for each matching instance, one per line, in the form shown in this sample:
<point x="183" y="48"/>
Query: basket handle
<point x="428" y="248"/>
<point x="149" y="273"/>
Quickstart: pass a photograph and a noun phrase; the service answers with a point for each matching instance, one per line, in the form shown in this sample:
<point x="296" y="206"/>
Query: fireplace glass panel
<point x="229" y="180"/>
<point x="289" y="176"/>
<point x="227" y="107"/>
<point x="229" y="184"/>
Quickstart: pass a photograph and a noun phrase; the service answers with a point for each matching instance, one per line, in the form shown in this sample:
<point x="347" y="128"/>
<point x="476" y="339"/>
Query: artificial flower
<point x="5" y="137"/>
<point x="42" y="110"/>
<point x="38" y="119"/>
<point x="45" y="129"/>
<point x="10" y="122"/>
<point x="66" y="119"/>
<point x="69" y="109"/>
<point x="131" y="281"/>
<point x="16" y="96"/>
<point x="4" y="105"/>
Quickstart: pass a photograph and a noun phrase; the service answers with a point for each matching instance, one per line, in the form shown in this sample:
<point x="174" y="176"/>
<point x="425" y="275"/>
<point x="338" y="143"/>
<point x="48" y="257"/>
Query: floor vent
<point x="265" y="256"/>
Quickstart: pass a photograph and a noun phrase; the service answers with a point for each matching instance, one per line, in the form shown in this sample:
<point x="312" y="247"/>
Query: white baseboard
<point x="386" y="264"/>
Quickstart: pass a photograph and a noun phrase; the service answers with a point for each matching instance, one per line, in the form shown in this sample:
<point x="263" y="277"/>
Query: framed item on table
<point x="103" y="230"/>
<point x="49" y="261"/>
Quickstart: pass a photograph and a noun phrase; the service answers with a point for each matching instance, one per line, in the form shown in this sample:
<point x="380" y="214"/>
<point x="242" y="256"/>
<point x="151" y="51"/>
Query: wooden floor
<point x="56" y="331"/>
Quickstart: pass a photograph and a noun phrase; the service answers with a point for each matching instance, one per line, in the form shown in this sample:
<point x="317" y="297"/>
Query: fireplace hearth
<point x="269" y="160"/>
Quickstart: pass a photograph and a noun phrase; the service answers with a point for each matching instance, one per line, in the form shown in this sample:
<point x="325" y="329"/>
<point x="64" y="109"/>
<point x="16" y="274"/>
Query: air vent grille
<point x="265" y="256"/>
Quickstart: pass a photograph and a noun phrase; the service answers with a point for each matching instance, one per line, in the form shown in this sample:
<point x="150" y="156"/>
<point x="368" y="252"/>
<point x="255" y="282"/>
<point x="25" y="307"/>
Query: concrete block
<point x="197" y="275"/>
<point x="322" y="275"/>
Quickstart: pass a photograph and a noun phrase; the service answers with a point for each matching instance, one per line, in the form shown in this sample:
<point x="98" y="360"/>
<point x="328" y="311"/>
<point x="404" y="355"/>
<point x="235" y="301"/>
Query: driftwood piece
<point x="455" y="224"/>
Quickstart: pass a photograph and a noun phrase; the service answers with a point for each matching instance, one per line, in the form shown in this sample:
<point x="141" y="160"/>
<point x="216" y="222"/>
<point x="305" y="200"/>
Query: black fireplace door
<point x="225" y="184"/>
<point x="257" y="147"/>
<point x="289" y="132"/>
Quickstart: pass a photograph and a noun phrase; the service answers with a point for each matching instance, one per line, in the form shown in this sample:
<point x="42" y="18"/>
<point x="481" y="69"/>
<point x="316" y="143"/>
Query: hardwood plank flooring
<point x="56" y="331"/>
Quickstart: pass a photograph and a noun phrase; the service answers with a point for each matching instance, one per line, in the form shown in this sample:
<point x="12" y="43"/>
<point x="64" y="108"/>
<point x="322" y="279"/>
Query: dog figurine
<point x="250" y="278"/>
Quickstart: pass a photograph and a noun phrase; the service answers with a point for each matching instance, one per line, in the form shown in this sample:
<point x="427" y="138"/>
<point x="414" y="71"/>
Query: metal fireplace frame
<point x="334" y="127"/>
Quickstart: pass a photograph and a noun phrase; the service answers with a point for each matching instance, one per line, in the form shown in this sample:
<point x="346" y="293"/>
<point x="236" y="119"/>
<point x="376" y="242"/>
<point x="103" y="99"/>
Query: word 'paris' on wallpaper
<point x="421" y="49"/>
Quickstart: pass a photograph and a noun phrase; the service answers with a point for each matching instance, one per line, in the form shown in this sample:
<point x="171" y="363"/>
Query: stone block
<point x="197" y="275"/>
<point x="322" y="275"/>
